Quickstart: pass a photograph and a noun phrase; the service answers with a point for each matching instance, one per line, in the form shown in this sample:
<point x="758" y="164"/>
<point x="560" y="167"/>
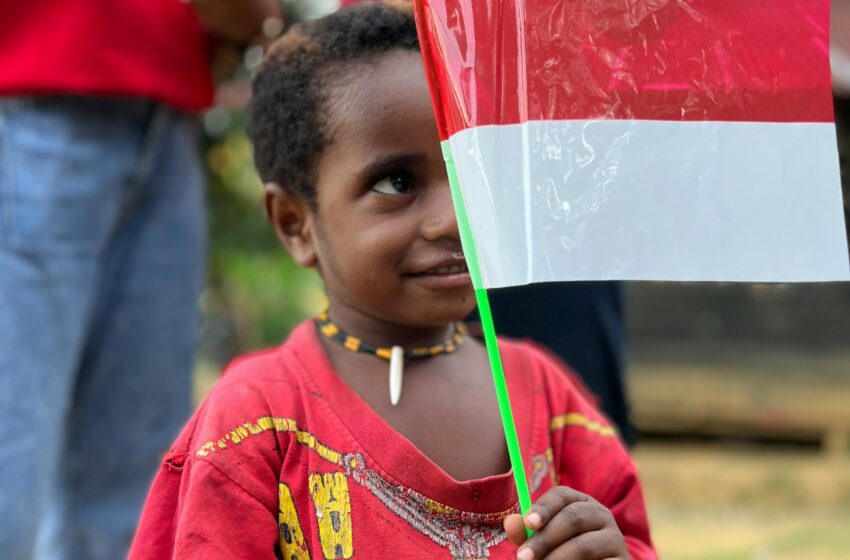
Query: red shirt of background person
<point x="153" y="49"/>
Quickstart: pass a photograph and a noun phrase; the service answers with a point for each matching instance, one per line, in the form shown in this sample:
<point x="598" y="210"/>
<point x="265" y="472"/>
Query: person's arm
<point x="212" y="498"/>
<point x="598" y="507"/>
<point x="241" y="22"/>
<point x="198" y="512"/>
<point x="626" y="503"/>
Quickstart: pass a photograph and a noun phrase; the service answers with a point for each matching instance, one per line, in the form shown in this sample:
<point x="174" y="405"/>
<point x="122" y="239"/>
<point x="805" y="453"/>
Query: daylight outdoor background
<point x="742" y="392"/>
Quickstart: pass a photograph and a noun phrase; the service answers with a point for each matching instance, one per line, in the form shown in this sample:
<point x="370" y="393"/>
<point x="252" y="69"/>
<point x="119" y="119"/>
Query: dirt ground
<point x="734" y="501"/>
<point x="727" y="499"/>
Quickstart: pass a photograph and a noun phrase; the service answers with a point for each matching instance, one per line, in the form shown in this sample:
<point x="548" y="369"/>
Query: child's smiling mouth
<point x="454" y="269"/>
<point x="444" y="273"/>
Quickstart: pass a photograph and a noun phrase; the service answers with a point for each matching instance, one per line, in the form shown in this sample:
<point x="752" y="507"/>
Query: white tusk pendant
<point x="396" y="373"/>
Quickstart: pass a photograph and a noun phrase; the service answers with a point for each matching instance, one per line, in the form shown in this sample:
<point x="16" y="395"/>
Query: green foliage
<point x="255" y="292"/>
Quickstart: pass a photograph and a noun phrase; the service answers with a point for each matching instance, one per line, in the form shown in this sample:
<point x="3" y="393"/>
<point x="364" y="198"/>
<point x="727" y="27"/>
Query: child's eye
<point x="394" y="184"/>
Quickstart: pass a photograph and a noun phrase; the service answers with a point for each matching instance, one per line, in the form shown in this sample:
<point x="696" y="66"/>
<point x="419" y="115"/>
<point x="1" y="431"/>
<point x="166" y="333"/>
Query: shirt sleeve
<point x="589" y="457"/>
<point x="211" y="497"/>
<point x="194" y="510"/>
<point x="598" y="465"/>
<point x="625" y="501"/>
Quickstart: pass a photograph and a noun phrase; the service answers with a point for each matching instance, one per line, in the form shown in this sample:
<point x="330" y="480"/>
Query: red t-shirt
<point x="154" y="49"/>
<point x="283" y="459"/>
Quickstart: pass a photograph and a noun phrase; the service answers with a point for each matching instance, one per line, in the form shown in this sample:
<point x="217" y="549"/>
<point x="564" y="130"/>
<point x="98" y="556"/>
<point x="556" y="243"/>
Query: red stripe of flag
<point x="674" y="60"/>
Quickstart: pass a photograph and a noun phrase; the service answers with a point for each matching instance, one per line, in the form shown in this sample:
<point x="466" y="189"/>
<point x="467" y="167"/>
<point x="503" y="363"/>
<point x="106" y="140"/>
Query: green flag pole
<point x="471" y="255"/>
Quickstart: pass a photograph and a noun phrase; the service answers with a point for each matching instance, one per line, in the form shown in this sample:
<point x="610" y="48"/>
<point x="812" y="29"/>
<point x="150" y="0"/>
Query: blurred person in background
<point x="582" y="323"/>
<point x="102" y="236"/>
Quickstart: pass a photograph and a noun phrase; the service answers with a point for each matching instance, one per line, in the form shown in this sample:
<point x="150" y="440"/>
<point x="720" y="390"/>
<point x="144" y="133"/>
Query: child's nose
<point x="440" y="221"/>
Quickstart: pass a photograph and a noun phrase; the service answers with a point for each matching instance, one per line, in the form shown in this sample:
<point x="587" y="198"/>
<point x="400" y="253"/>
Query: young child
<point x="298" y="452"/>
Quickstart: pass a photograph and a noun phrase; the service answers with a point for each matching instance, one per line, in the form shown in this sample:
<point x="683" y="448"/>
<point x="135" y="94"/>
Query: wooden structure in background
<point x="742" y="361"/>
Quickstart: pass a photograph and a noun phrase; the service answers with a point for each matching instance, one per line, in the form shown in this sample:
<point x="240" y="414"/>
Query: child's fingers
<point x="596" y="545"/>
<point x="551" y="503"/>
<point x="571" y="523"/>
<point x="515" y="528"/>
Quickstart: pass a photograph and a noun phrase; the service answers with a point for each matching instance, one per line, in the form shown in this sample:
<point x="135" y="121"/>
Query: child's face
<point x="385" y="237"/>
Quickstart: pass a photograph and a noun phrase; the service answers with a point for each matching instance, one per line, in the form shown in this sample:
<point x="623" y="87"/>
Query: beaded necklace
<point x="395" y="354"/>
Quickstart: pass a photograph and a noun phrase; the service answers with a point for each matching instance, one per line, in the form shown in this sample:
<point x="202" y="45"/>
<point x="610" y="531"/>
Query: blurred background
<point x="740" y="393"/>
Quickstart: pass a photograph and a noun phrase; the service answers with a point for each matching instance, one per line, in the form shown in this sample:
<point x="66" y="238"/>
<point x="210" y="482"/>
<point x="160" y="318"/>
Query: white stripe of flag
<point x="653" y="200"/>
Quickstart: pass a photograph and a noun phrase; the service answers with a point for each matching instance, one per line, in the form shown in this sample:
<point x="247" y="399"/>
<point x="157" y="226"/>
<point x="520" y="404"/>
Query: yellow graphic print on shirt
<point x="292" y="543"/>
<point x="333" y="512"/>
<point x="466" y="535"/>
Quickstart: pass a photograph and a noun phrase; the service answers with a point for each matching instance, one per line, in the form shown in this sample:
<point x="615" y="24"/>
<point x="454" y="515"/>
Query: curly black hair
<point x="287" y="116"/>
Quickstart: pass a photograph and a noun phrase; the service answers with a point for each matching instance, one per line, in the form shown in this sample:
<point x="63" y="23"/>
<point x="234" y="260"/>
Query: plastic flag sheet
<point x="686" y="140"/>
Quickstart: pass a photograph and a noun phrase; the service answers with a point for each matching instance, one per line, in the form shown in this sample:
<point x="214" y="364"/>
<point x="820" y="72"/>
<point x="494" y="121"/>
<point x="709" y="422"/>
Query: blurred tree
<point x="255" y="293"/>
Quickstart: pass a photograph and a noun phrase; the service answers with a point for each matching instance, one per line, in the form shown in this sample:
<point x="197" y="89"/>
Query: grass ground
<point x="719" y="501"/>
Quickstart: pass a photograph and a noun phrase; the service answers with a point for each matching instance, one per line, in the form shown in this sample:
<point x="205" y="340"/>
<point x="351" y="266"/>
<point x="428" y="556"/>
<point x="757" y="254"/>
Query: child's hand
<point x="568" y="525"/>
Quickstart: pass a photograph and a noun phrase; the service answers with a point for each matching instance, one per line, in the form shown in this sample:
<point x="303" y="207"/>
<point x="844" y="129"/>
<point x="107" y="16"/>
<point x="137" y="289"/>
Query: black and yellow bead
<point x="331" y="331"/>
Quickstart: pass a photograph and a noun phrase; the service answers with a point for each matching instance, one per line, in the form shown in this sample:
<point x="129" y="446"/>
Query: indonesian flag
<point x="683" y="140"/>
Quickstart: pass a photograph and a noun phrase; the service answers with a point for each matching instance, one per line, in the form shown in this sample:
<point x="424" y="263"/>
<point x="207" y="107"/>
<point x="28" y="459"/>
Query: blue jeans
<point x="102" y="235"/>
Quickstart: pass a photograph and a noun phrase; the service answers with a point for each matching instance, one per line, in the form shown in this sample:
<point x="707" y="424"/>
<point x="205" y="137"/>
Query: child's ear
<point x="293" y="223"/>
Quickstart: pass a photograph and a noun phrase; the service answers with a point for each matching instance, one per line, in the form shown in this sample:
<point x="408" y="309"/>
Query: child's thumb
<point x="515" y="528"/>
